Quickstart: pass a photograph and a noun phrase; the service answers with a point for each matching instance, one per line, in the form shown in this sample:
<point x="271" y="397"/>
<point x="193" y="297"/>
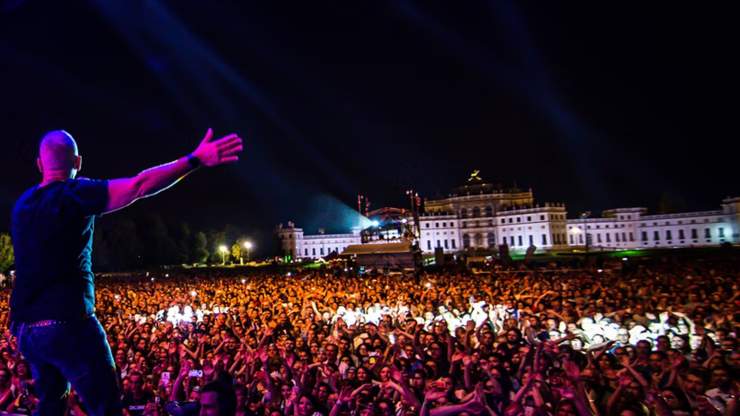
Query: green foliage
<point x="199" y="248"/>
<point x="123" y="243"/>
<point x="7" y="258"/>
<point x="236" y="252"/>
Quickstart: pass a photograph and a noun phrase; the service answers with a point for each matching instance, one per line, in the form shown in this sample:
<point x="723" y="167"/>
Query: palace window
<point x="489" y="211"/>
<point x="694" y="234"/>
<point x="681" y="235"/>
<point x="453" y="244"/>
<point x="478" y="240"/>
<point x="476" y="212"/>
<point x="491" y="240"/>
<point x="429" y="244"/>
<point x="668" y="235"/>
<point x="707" y="233"/>
<point x="511" y="238"/>
<point x="466" y="240"/>
<point x="544" y="239"/>
<point x="656" y="235"/>
<point x="721" y="232"/>
<point x="519" y="239"/>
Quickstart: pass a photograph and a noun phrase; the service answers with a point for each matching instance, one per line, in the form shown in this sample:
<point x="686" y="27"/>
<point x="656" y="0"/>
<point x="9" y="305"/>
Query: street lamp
<point x="248" y="246"/>
<point x="223" y="249"/>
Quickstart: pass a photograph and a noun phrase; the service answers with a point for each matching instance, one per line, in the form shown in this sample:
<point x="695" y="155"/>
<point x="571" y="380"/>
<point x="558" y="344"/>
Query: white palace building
<point x="481" y="215"/>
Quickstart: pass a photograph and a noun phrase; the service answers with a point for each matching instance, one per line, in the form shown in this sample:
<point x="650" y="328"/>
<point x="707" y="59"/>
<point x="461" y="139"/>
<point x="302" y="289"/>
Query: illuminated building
<point x="629" y="228"/>
<point x="484" y="216"/>
<point x="480" y="215"/>
<point x="294" y="243"/>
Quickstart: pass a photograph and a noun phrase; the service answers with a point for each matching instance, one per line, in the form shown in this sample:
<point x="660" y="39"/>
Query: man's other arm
<point x="125" y="191"/>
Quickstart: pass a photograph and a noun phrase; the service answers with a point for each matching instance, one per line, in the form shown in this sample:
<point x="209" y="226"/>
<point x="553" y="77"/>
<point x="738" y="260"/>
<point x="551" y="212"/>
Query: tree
<point x="159" y="247"/>
<point x="124" y="245"/>
<point x="215" y="240"/>
<point x="199" y="251"/>
<point x="7" y="257"/>
<point x="182" y="237"/>
<point x="236" y="252"/>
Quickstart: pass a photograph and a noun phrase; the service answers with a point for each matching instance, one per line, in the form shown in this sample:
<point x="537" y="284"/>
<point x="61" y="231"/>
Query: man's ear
<point x="78" y="163"/>
<point x="40" y="165"/>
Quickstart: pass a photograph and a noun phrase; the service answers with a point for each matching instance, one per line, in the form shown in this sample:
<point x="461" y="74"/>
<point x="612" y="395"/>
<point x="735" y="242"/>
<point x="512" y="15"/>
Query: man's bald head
<point x="58" y="154"/>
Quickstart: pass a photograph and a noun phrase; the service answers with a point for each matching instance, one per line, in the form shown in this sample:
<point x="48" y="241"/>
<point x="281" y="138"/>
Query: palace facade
<point x="480" y="215"/>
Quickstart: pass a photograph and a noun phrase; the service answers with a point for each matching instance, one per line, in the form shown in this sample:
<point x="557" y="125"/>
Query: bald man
<point x="52" y="307"/>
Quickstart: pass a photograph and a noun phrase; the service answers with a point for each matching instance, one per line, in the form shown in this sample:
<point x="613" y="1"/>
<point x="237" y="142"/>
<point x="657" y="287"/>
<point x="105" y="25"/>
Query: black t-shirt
<point x="52" y="229"/>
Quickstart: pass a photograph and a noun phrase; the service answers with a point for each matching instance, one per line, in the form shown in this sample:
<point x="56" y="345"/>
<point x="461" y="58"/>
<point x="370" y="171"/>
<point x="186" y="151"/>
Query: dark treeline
<point x="123" y="243"/>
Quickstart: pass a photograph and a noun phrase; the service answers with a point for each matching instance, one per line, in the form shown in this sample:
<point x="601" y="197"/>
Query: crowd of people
<point x="658" y="339"/>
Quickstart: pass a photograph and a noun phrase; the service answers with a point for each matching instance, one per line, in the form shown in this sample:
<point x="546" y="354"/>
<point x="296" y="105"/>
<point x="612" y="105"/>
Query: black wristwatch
<point x="194" y="162"/>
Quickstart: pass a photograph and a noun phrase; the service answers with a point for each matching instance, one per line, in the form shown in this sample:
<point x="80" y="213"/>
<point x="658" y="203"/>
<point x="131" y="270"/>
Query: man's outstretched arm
<point x="125" y="191"/>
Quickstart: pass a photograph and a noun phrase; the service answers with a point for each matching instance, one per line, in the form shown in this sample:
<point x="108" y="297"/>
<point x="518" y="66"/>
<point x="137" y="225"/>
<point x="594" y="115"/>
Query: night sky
<point x="592" y="105"/>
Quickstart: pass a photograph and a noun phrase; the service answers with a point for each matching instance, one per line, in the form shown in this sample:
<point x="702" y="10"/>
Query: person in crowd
<point x="659" y="339"/>
<point x="218" y="398"/>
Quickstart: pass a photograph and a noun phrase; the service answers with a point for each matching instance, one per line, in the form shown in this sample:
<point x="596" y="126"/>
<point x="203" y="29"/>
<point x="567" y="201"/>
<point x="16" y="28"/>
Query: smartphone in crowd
<point x="195" y="373"/>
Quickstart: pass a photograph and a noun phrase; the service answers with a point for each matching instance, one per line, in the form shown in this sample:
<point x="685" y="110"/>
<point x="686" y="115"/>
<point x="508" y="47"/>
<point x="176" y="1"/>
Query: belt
<point x="50" y="322"/>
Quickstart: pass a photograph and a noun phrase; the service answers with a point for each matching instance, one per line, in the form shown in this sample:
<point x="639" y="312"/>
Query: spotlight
<point x="428" y="285"/>
<point x="117" y="296"/>
<point x="193" y="293"/>
<point x="374" y="223"/>
<point x="624" y="258"/>
<point x="244" y="281"/>
<point x="599" y="270"/>
<point x="152" y="279"/>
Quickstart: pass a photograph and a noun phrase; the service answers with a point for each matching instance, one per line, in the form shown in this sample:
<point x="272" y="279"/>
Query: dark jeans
<point x="76" y="353"/>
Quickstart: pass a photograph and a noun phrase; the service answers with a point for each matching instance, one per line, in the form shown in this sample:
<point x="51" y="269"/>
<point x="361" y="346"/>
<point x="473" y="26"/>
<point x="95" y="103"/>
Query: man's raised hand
<point x="214" y="152"/>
